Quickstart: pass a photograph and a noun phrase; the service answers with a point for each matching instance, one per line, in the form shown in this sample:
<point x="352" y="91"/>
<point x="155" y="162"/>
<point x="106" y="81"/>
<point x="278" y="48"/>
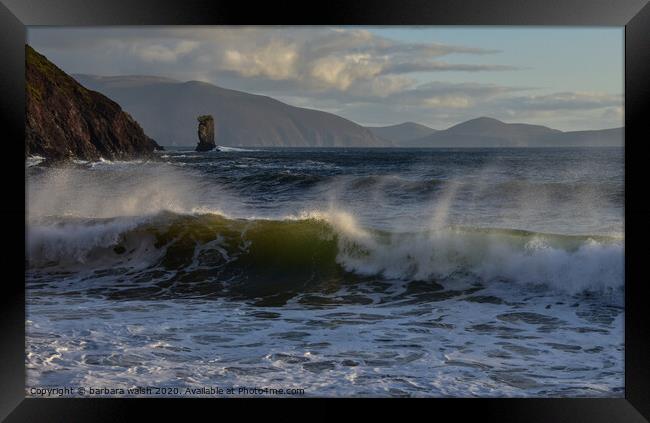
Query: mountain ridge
<point x="168" y="111"/>
<point x="489" y="132"/>
<point x="402" y="132"/>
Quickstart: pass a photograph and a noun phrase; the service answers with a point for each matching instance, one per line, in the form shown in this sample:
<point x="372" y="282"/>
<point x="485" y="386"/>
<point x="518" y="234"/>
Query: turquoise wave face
<point x="260" y="257"/>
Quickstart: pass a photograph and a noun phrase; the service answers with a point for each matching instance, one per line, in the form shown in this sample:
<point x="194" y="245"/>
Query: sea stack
<point x="206" y="133"/>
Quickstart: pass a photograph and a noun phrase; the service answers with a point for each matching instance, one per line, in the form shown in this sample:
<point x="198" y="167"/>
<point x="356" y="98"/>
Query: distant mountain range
<point x="488" y="132"/>
<point x="167" y="110"/>
<point x="70" y="118"/>
<point x="402" y="132"/>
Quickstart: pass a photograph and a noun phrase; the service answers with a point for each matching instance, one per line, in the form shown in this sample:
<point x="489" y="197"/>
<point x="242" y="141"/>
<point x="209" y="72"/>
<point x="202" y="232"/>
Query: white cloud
<point x="314" y="59"/>
<point x="451" y="102"/>
<point x="387" y="85"/>
<point x="164" y="53"/>
<point x="275" y="60"/>
<point x="341" y="72"/>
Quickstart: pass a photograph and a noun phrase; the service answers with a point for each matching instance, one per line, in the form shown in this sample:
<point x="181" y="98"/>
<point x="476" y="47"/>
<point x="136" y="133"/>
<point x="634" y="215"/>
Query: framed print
<point x="377" y="200"/>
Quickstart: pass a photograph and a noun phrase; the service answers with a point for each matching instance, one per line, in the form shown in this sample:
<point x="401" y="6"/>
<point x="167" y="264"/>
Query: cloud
<point x="403" y="91"/>
<point x="353" y="72"/>
<point x="614" y="113"/>
<point x="433" y="66"/>
<point x="564" y="101"/>
<point x="340" y="72"/>
<point x="163" y="53"/>
<point x="312" y="59"/>
<point x="275" y="60"/>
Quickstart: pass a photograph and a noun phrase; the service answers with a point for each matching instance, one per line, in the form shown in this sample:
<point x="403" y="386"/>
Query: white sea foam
<point x="562" y="263"/>
<point x="233" y="149"/>
<point x="34" y="161"/>
<point x="74" y="242"/>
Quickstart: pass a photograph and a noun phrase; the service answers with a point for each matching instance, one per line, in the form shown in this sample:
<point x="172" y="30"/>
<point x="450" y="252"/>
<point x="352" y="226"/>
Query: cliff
<point x="64" y="120"/>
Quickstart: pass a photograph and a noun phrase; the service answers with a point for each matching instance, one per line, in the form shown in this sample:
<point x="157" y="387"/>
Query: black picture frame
<point x="15" y="15"/>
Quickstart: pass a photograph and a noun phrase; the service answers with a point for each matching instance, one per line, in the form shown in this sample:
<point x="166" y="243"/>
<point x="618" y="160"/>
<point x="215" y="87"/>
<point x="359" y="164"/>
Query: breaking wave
<point x="320" y="246"/>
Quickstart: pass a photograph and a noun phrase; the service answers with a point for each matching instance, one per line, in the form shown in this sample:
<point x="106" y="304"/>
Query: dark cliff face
<point x="65" y="120"/>
<point x="206" y="133"/>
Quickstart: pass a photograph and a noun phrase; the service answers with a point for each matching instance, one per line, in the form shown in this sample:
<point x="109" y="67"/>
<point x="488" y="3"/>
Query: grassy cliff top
<point x="46" y="70"/>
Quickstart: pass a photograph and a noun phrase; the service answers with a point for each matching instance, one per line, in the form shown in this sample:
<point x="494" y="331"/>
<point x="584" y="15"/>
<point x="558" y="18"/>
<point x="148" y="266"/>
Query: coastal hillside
<point x="488" y="132"/>
<point x="600" y="138"/>
<point x="402" y="132"/>
<point x="167" y="111"/>
<point x="64" y="120"/>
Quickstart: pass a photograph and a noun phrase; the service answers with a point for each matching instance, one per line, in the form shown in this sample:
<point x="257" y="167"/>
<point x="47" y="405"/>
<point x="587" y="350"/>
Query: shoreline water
<point x="410" y="272"/>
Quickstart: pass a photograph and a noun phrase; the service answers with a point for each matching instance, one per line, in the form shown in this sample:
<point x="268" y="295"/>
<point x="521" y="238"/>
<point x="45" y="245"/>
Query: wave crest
<point x="323" y="245"/>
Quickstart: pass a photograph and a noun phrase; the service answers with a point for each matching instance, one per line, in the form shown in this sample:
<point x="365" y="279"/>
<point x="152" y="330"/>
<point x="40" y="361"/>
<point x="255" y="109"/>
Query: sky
<point x="568" y="78"/>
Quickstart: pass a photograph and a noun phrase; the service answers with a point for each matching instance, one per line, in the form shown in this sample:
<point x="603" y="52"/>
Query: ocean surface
<point x="365" y="272"/>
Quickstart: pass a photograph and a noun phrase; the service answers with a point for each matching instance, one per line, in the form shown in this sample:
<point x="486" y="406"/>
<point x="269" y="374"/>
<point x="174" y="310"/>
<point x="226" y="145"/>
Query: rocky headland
<point x="64" y="120"/>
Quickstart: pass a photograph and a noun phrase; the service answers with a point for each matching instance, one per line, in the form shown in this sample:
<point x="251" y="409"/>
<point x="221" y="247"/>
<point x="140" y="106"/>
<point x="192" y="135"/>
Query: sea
<point x="328" y="272"/>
